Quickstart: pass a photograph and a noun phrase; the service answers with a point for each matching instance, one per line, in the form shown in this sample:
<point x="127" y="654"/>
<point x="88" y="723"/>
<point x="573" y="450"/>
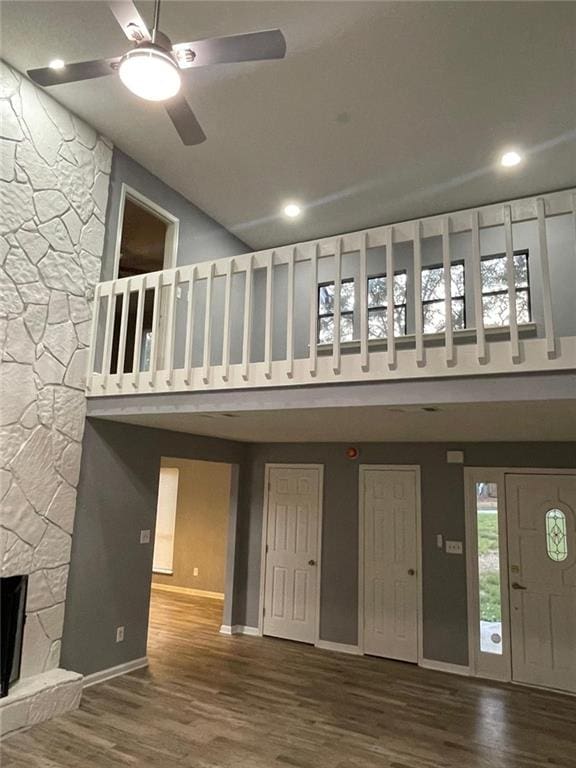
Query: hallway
<point x="210" y="701"/>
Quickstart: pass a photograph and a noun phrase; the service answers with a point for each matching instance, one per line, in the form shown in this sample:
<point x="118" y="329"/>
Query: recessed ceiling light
<point x="292" y="210"/>
<point x="56" y="64"/>
<point x="510" y="159"/>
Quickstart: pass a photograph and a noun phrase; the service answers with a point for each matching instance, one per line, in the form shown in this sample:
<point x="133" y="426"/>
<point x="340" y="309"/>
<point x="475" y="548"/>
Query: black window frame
<point x="506" y="291"/>
<point x="346" y="313"/>
<point x="380" y="307"/>
<point x="426" y="302"/>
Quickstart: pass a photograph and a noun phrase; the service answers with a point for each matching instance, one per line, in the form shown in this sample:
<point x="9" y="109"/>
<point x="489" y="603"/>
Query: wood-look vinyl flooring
<point x="210" y="701"/>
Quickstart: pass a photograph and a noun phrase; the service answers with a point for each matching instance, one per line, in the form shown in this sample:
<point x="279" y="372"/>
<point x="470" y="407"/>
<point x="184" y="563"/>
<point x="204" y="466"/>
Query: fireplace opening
<point x="12" y="616"/>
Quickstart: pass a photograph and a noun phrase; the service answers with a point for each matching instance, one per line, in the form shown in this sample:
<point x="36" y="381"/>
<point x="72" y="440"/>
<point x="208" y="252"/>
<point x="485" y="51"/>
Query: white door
<point x="390" y="581"/>
<point x="292" y="553"/>
<point x="542" y="563"/>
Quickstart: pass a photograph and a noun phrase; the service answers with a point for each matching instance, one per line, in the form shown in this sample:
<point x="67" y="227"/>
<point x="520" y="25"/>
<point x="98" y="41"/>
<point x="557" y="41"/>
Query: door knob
<point x="311" y="562"/>
<point x="411" y="571"/>
<point x="515" y="585"/>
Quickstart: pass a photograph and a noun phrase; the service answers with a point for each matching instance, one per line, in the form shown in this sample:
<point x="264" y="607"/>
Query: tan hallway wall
<point x="201" y="525"/>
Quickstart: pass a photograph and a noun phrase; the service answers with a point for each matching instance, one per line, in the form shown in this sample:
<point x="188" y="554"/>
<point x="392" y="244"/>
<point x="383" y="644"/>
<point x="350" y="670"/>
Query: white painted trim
<point x="328" y="645"/>
<point x="188" y="591"/>
<point x="172" y="231"/>
<point x="163" y="571"/>
<point x="239" y="629"/>
<point x="267" y="468"/>
<point x="526" y="470"/>
<point x="417" y="473"/>
<point x="111" y="672"/>
<point x="444" y="666"/>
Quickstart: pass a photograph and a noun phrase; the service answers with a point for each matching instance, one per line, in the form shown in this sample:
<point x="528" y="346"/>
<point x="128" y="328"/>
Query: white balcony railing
<point x="254" y="320"/>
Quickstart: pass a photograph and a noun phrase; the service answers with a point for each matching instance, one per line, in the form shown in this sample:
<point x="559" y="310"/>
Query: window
<point x="488" y="541"/>
<point x="378" y="308"/>
<point x="326" y="312"/>
<point x="556" y="536"/>
<point x="165" y="520"/>
<point x="434" y="294"/>
<point x="495" y="295"/>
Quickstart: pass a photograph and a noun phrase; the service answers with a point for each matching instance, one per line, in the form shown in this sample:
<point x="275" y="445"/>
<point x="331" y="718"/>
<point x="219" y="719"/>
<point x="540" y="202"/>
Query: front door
<point x="292" y="553"/>
<point x="542" y="563"/>
<point x="390" y="582"/>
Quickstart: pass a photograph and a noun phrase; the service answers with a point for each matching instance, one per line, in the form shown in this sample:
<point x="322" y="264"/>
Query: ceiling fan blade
<point x="71" y="73"/>
<point x="184" y="120"/>
<point x="130" y="20"/>
<point x="252" y="46"/>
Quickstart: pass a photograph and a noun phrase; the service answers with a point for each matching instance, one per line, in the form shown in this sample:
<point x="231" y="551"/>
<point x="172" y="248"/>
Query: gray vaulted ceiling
<point x="380" y="112"/>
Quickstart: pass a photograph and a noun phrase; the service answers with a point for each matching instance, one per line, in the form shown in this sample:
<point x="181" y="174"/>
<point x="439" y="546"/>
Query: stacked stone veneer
<point x="54" y="177"/>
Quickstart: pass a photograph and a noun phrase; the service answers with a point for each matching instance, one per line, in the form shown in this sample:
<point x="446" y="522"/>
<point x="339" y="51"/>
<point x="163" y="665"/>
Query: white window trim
<point x="168" y="566"/>
<point x="172" y="230"/>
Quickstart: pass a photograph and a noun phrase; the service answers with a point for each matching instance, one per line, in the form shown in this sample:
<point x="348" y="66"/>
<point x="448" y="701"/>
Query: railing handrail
<point x="490" y="215"/>
<point x="485" y="353"/>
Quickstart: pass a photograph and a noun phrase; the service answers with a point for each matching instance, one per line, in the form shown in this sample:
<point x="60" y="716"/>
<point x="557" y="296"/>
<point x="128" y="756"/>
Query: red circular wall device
<point x="352" y="453"/>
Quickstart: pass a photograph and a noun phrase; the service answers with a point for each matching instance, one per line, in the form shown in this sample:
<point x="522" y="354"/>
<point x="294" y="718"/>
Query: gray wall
<point x="201" y="531"/>
<point x="444" y="576"/>
<point x="200" y="237"/>
<point x="110" y="573"/>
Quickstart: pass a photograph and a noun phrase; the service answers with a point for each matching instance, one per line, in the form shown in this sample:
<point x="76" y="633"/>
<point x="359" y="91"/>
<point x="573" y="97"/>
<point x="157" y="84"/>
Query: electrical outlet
<point x="119" y="634"/>
<point x="145" y="537"/>
<point x="454" y="548"/>
<point x="195" y="571"/>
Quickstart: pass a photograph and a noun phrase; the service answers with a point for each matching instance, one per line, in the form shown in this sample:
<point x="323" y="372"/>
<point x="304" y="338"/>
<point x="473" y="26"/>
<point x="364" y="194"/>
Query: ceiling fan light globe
<point x="150" y="73"/>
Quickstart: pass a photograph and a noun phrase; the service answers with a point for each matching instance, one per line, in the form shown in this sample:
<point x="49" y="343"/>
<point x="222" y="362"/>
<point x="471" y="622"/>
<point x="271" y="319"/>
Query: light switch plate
<point x="119" y="634"/>
<point x="439" y="541"/>
<point x="454" y="548"/>
<point x="145" y="537"/>
<point x="195" y="571"/>
<point x="455" y="457"/>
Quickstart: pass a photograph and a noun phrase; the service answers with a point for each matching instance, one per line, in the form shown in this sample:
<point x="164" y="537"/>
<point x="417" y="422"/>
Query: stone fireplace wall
<point x="54" y="180"/>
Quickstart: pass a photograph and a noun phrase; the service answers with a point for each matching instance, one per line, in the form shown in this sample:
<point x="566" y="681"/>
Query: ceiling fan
<point x="152" y="68"/>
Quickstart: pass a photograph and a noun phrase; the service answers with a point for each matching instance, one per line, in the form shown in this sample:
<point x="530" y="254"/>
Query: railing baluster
<point x="478" y="303"/>
<point x="208" y="326"/>
<point x="122" y="337"/>
<point x="189" y="329"/>
<point x="169" y="362"/>
<point x="247" y="336"/>
<point x="390" y="331"/>
<point x="93" y="338"/>
<point x="290" y="316"/>
<point x="226" y="337"/>
<point x="155" y="329"/>
<point x="546" y="288"/>
<point x="447" y="264"/>
<point x="336" y="351"/>
<point x="418" y="330"/>
<point x="364" y="356"/>
<point x="313" y="351"/>
<point x="511" y="280"/>
<point x="138" y="333"/>
<point x="268" y="318"/>
<point x="108" y="336"/>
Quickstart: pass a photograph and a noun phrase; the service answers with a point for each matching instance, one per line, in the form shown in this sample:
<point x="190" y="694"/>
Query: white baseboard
<point x="328" y="645"/>
<point x="188" y="591"/>
<point x="444" y="666"/>
<point x="108" y="674"/>
<point x="238" y="629"/>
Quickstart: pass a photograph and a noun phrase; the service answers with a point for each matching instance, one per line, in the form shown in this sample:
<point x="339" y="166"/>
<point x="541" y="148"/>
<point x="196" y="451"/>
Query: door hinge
<point x="263" y="611"/>
<point x="266" y="549"/>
